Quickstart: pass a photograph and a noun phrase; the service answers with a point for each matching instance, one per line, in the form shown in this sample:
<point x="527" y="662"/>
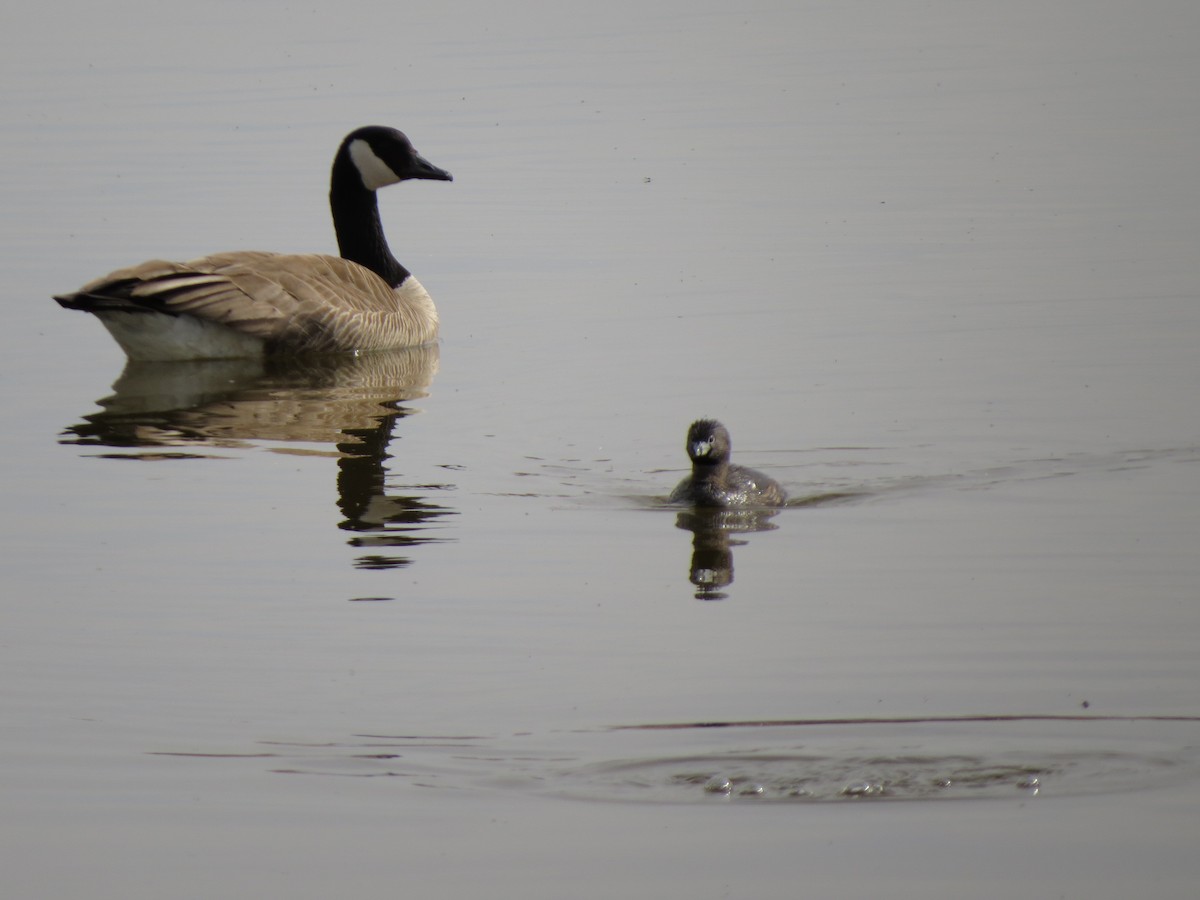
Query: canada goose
<point x="715" y="482"/>
<point x="250" y="303"/>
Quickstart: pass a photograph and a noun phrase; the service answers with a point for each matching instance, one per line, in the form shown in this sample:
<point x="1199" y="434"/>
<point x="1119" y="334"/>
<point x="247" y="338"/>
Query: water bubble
<point x="718" y="784"/>
<point x="863" y="789"/>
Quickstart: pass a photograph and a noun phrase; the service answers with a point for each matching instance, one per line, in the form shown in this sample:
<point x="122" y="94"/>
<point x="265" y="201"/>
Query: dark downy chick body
<point x="715" y="481"/>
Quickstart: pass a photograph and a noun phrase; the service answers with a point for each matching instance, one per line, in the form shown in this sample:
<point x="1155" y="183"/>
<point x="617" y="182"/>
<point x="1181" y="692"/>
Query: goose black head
<point x="384" y="156"/>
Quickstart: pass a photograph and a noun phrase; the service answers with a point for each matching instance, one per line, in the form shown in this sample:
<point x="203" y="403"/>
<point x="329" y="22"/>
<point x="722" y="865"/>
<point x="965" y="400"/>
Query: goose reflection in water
<point x="192" y="409"/>
<point x="713" y="539"/>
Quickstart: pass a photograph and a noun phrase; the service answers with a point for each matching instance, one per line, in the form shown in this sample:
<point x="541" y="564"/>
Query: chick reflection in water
<point x="713" y="539"/>
<point x="727" y="499"/>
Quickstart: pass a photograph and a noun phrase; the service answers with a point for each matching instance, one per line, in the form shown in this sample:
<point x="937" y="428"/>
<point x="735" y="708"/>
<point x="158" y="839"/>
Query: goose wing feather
<point x="298" y="301"/>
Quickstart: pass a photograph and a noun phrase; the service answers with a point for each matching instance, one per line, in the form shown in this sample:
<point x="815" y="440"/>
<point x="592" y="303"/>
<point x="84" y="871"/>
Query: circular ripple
<point x="852" y="777"/>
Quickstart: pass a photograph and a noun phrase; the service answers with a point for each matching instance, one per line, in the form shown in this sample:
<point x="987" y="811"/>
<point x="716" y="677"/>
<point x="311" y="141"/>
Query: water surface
<point x="424" y="618"/>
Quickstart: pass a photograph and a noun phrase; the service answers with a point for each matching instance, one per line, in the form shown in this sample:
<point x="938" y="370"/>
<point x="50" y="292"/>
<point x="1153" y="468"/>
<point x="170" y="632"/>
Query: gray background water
<point x="940" y="256"/>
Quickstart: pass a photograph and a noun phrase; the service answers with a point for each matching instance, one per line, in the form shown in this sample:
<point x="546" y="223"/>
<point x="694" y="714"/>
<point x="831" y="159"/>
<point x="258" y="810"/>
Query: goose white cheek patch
<point x="374" y="171"/>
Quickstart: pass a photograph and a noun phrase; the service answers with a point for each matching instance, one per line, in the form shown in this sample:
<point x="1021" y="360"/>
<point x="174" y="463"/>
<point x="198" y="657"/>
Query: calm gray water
<point x="422" y="622"/>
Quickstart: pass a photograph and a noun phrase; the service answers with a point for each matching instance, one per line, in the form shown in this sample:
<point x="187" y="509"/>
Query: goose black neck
<point x="356" y="220"/>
